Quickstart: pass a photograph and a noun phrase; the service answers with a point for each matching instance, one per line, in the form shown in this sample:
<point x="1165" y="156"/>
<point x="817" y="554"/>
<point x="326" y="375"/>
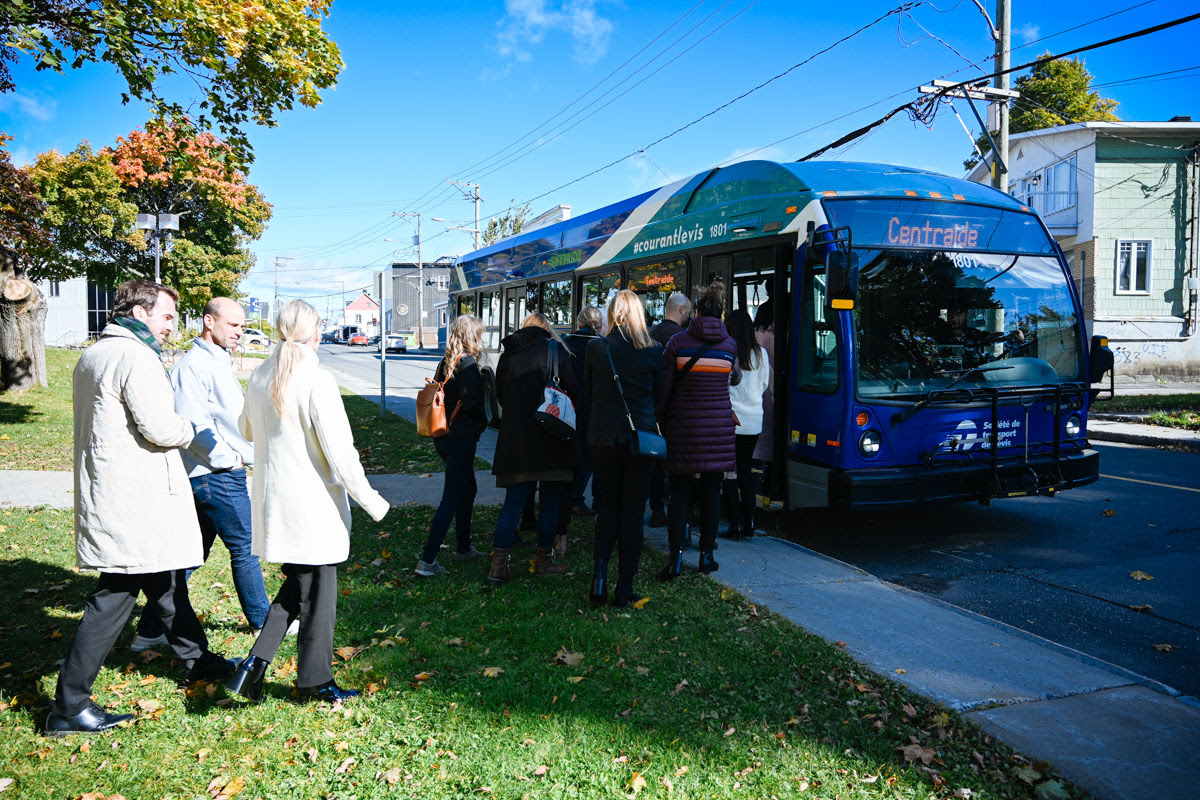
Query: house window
<point x="443" y="318"/>
<point x="1060" y="185"/>
<point x="1133" y="266"/>
<point x="443" y="282"/>
<point x="55" y="288"/>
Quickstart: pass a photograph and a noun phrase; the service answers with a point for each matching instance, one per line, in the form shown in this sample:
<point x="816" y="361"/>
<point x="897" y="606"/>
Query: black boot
<point x="329" y="692"/>
<point x="674" y="566"/>
<point x="707" y="562"/>
<point x="599" y="591"/>
<point x="248" y="678"/>
<point x="624" y="594"/>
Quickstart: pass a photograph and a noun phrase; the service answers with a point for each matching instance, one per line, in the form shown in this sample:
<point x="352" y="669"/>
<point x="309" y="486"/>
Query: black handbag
<point x="642" y="444"/>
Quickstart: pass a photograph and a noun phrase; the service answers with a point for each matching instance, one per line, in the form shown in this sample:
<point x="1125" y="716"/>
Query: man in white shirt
<point x="208" y="394"/>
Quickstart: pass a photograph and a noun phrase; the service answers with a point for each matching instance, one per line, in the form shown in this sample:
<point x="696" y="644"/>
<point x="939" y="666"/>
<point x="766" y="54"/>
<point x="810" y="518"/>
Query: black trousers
<point x="622" y="483"/>
<point x="740" y="492"/>
<point x="104" y="617"/>
<point x="679" y="510"/>
<point x="309" y="592"/>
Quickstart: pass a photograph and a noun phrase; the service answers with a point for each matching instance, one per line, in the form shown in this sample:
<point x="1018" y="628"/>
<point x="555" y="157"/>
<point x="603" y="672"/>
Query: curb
<point x="1162" y="442"/>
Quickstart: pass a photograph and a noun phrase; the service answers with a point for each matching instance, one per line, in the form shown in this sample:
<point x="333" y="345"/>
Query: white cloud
<point x="41" y="110"/>
<point x="1028" y="32"/>
<point x="527" y="23"/>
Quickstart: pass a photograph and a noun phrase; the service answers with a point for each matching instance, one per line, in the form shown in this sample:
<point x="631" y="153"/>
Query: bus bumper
<point x="950" y="482"/>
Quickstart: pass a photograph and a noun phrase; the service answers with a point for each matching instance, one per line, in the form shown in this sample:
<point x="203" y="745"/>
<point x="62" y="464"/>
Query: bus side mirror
<point x="839" y="290"/>
<point x="1100" y="359"/>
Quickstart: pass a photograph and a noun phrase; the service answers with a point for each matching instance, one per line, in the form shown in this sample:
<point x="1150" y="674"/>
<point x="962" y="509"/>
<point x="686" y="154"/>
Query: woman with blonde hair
<point x="527" y="453"/>
<point x="306" y="469"/>
<point x="459" y="372"/>
<point x="626" y="362"/>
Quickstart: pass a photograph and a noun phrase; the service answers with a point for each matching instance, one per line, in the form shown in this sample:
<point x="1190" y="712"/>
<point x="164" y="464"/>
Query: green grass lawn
<point x="520" y="691"/>
<point x="389" y="443"/>
<point x="36" y="426"/>
<point x="1169" y="410"/>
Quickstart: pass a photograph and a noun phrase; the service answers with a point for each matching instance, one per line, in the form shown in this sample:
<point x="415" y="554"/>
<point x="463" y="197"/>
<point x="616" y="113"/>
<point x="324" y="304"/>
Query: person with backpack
<point x="697" y="417"/>
<point x="532" y="449"/>
<point x="624" y="371"/>
<point x="462" y="385"/>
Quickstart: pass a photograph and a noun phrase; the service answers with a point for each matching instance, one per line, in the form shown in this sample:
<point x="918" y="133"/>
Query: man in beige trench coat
<point x="135" y="520"/>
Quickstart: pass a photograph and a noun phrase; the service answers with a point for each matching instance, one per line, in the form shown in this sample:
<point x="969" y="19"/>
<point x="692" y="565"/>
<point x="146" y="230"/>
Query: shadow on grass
<point x="16" y="413"/>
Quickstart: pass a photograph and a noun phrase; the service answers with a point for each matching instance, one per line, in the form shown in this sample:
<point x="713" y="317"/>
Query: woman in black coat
<point x="622" y="479"/>
<point x="526" y="451"/>
<point x="459" y="371"/>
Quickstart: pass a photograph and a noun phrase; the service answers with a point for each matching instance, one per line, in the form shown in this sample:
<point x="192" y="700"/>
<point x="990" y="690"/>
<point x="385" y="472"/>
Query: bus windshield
<point x="927" y="318"/>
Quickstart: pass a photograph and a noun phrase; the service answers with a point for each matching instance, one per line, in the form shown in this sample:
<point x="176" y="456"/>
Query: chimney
<point x="1181" y="118"/>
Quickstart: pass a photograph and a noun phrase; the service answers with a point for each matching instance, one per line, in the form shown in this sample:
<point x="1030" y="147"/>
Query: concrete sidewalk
<point x="1117" y="734"/>
<point x="1127" y="429"/>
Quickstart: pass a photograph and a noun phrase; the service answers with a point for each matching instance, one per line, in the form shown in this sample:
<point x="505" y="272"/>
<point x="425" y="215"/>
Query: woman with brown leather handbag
<point x="463" y="393"/>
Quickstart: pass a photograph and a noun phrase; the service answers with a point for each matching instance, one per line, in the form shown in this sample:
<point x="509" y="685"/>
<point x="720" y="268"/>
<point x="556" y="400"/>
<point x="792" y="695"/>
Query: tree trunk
<point x="22" y="331"/>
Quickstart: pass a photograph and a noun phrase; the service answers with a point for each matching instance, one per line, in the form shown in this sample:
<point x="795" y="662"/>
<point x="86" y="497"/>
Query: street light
<point x="157" y="228"/>
<point x="474" y="230"/>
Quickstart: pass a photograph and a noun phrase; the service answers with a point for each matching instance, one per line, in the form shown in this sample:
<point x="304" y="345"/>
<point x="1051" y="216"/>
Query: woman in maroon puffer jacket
<point x="697" y="418"/>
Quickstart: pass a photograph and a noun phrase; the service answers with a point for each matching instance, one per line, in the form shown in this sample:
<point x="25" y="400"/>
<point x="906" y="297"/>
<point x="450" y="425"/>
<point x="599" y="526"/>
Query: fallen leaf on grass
<point x="541" y="770"/>
<point x="202" y="753"/>
<point x="421" y="676"/>
<point x="679" y="687"/>
<point x="455" y="642"/>
<point x="346" y="765"/>
<point x="575" y="679"/>
<point x="5" y="783"/>
<point x="346" y="653"/>
<point x="388" y="643"/>
<point x="492" y="672"/>
<point x="150" y="655"/>
<point x="908" y="710"/>
<point x="1138" y="575"/>
<point x="914" y="752"/>
<point x="567" y="658"/>
<point x="636" y="784"/>
<point x="1027" y="774"/>
<point x="149" y="705"/>
<point x="392" y="776"/>
<point x="1051" y="790"/>
<point x="221" y="788"/>
<point x="666" y="782"/>
<point x="729" y="732"/>
<point x="312" y="754"/>
<point x="640" y="604"/>
<point x="643" y="670"/>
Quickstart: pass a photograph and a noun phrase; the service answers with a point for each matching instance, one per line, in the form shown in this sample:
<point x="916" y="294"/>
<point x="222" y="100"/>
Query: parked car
<point x="357" y="339"/>
<point x="329" y="338"/>
<point x="252" y="338"/>
<point x="396" y="343"/>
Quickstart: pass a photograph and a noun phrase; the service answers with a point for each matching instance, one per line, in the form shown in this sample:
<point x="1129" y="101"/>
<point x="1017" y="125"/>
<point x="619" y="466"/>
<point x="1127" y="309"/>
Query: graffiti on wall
<point x="1142" y="352"/>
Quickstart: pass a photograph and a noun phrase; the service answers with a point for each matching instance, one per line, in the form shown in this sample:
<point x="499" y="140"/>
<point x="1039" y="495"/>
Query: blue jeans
<point x="514" y="502"/>
<point x="223" y="508"/>
<point x="458" y="497"/>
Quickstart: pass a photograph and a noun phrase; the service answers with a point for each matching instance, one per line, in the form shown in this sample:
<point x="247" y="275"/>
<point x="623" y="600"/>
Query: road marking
<point x="951" y="555"/>
<point x="1152" y="483"/>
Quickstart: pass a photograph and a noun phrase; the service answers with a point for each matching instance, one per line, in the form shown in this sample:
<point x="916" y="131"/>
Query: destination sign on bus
<point x="937" y="225"/>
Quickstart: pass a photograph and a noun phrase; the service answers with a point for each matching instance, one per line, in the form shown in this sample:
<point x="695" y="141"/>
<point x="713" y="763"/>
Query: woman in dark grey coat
<point x="526" y="452"/>
<point x="622" y="479"/>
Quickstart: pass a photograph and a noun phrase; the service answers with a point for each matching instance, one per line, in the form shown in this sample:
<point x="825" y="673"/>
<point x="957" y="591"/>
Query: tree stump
<point x="22" y="332"/>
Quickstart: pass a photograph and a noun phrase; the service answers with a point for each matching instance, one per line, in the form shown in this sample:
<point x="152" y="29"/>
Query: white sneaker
<point x="429" y="570"/>
<point x="141" y="643"/>
<point x="294" y="628"/>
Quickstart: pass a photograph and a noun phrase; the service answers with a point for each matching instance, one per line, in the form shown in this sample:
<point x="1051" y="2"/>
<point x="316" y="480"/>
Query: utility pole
<point x="275" y="307"/>
<point x="474" y="195"/>
<point x="1000" y="81"/>
<point x="420" y="278"/>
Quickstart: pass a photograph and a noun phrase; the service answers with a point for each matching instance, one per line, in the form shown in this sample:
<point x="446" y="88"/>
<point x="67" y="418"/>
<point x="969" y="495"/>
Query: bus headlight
<point x="1073" y="426"/>
<point x="868" y="443"/>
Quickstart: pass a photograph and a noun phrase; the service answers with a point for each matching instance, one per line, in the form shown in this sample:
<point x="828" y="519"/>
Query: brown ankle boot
<point x="543" y="563"/>
<point x="499" y="574"/>
<point x="560" y="547"/>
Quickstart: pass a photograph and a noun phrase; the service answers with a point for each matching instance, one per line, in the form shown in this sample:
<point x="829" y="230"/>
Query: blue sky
<point x="431" y="93"/>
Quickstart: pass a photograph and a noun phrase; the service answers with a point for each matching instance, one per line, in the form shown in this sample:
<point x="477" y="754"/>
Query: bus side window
<point x="489" y="314"/>
<point x="818" y="354"/>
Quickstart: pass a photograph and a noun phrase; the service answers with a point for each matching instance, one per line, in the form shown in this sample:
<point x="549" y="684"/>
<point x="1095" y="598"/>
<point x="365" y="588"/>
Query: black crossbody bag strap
<point x="617" y="380"/>
<point x="704" y="348"/>
<point x="552" y="362"/>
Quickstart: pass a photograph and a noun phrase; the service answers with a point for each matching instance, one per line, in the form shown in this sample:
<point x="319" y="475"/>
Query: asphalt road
<point x="1059" y="568"/>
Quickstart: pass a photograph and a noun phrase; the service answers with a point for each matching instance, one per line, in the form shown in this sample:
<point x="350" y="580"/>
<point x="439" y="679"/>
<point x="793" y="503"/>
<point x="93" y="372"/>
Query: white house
<point x="1120" y="199"/>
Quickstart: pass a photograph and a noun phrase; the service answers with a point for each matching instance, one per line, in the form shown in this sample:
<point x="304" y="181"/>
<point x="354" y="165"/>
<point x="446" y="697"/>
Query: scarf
<point x="139" y="329"/>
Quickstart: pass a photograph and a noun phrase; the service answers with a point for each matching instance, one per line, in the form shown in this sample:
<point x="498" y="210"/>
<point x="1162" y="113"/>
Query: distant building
<point x="1120" y="200"/>
<point x="66" y="311"/>
<point x="406" y="302"/>
<point x="363" y="311"/>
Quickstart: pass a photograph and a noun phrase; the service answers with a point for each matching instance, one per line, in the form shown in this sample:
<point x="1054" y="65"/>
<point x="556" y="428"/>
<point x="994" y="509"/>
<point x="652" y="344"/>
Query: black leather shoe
<point x="212" y="668"/>
<point x="329" y="692"/>
<point x="599" y="592"/>
<point x="93" y="719"/>
<point x="247" y="679"/>
<point x="707" y="562"/>
<point x="673" y="568"/>
<point x="625" y="595"/>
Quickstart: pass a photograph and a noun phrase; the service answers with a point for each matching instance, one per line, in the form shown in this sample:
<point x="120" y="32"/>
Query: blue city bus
<point x="928" y="340"/>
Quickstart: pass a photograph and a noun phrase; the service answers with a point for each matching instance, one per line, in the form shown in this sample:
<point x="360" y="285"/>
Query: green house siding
<point x="1141" y="194"/>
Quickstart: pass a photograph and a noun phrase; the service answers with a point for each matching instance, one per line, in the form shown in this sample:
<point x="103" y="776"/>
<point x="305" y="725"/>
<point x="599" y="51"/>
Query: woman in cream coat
<point x="305" y="470"/>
